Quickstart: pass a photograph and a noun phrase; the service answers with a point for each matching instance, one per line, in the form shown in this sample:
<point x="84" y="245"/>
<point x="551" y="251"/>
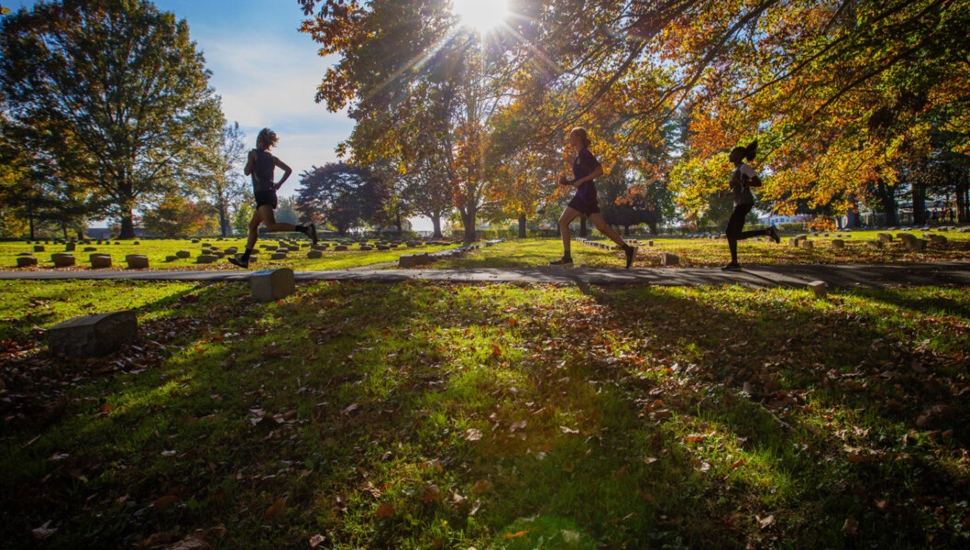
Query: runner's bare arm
<point x="250" y="160"/>
<point x="286" y="171"/>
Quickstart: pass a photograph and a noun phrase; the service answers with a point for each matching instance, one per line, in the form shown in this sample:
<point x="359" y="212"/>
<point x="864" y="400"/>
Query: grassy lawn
<point x="714" y="253"/>
<point x="158" y="250"/>
<point x="422" y="415"/>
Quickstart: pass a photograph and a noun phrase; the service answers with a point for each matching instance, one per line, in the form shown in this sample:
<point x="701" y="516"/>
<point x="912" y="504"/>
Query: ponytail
<point x="751" y="150"/>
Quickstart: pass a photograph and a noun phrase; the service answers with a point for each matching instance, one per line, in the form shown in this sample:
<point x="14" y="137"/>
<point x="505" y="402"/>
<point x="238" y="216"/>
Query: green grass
<point x="158" y="251"/>
<point x="714" y="253"/>
<point x="424" y="415"/>
<point x="523" y="253"/>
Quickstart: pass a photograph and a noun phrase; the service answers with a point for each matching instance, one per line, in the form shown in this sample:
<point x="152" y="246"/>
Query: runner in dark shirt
<point x="261" y="165"/>
<point x="585" y="169"/>
<point x="742" y="180"/>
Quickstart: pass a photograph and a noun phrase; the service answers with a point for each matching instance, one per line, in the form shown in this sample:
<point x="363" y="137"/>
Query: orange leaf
<point x="275" y="512"/>
<point x="516" y="535"/>
<point x="384" y="511"/>
<point x="482" y="486"/>
<point x="166" y="502"/>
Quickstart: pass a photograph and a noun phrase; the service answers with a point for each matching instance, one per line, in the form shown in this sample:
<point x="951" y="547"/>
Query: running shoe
<point x="565" y="260"/>
<point x="239" y="262"/>
<point x="311" y="232"/>
<point x="733" y="266"/>
<point x="630" y="251"/>
<point x="773" y="233"/>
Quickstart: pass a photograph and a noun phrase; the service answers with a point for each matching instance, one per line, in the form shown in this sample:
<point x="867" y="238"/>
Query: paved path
<point x="794" y="276"/>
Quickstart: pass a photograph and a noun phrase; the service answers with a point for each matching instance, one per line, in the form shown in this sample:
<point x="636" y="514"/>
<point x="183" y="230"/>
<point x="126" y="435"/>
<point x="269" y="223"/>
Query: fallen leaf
<point x="431" y="493"/>
<point x="384" y="511"/>
<point x="516" y="535"/>
<point x="850" y="528"/>
<point x="518" y="425"/>
<point x="473" y="434"/>
<point x="567" y="430"/>
<point x="351" y="408"/>
<point x="570" y="537"/>
<point x="765" y="522"/>
<point x="316" y="540"/>
<point x="275" y="512"/>
<point x="165" y="502"/>
<point x="43" y="531"/>
<point x="482" y="486"/>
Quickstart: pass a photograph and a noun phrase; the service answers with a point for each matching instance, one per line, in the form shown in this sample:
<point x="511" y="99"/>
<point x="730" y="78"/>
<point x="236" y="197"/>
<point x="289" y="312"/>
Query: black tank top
<point x="262" y="173"/>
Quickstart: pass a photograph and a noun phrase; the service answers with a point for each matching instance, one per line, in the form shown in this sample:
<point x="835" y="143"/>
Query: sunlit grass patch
<point x="423" y="415"/>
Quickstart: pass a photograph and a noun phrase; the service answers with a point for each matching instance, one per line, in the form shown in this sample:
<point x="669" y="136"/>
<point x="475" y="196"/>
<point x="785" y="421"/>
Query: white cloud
<point x="266" y="81"/>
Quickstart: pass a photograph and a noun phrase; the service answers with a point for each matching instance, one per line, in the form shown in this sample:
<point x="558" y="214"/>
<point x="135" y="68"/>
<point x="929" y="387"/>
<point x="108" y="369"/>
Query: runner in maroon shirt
<point x="585" y="169"/>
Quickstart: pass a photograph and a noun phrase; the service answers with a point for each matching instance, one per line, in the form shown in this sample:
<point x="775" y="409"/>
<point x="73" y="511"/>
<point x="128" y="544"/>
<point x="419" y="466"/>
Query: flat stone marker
<point x="819" y="288"/>
<point x="874" y="244"/>
<point x="93" y="335"/>
<point x="272" y="284"/>
<point x="278" y="256"/>
<point x="184" y="254"/>
<point x="205" y="259"/>
<point x="90" y="249"/>
<point x="26" y="261"/>
<point x="916" y="245"/>
<point x="100" y="261"/>
<point x="268" y="246"/>
<point x="137" y="261"/>
<point x="937" y="239"/>
<point x="39" y="248"/>
<point x="408" y="261"/>
<point x="806" y="245"/>
<point x="232" y="250"/>
<point x="906" y="237"/>
<point x="171" y="258"/>
<point x="314" y="255"/>
<point x="62" y="260"/>
<point x="340" y="248"/>
<point x="666" y="258"/>
<point x="70" y="247"/>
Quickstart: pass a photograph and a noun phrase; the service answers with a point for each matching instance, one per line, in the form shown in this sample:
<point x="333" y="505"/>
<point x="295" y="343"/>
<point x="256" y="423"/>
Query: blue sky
<point x="266" y="72"/>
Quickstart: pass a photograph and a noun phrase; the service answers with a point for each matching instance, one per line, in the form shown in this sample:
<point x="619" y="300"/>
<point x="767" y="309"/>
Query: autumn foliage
<point x="853" y="102"/>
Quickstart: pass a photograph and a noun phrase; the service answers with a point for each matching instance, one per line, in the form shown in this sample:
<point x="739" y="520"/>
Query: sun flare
<point x="483" y="16"/>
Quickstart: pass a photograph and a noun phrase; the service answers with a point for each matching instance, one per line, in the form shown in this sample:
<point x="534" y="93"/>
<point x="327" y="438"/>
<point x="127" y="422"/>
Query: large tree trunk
<point x="522" y="231"/>
<point x="127" y="226"/>
<point x="963" y="216"/>
<point x="223" y="221"/>
<point x="30" y="219"/>
<point x="436" y="222"/>
<point x="626" y="230"/>
<point x="919" y="204"/>
<point x="468" y="221"/>
<point x="887" y="197"/>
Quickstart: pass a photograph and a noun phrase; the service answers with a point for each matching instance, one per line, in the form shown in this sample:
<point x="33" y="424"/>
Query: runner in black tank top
<point x="261" y="166"/>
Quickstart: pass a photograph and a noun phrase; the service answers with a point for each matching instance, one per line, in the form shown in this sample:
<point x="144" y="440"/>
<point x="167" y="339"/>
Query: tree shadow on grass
<point x="645" y="416"/>
<point x="764" y="372"/>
